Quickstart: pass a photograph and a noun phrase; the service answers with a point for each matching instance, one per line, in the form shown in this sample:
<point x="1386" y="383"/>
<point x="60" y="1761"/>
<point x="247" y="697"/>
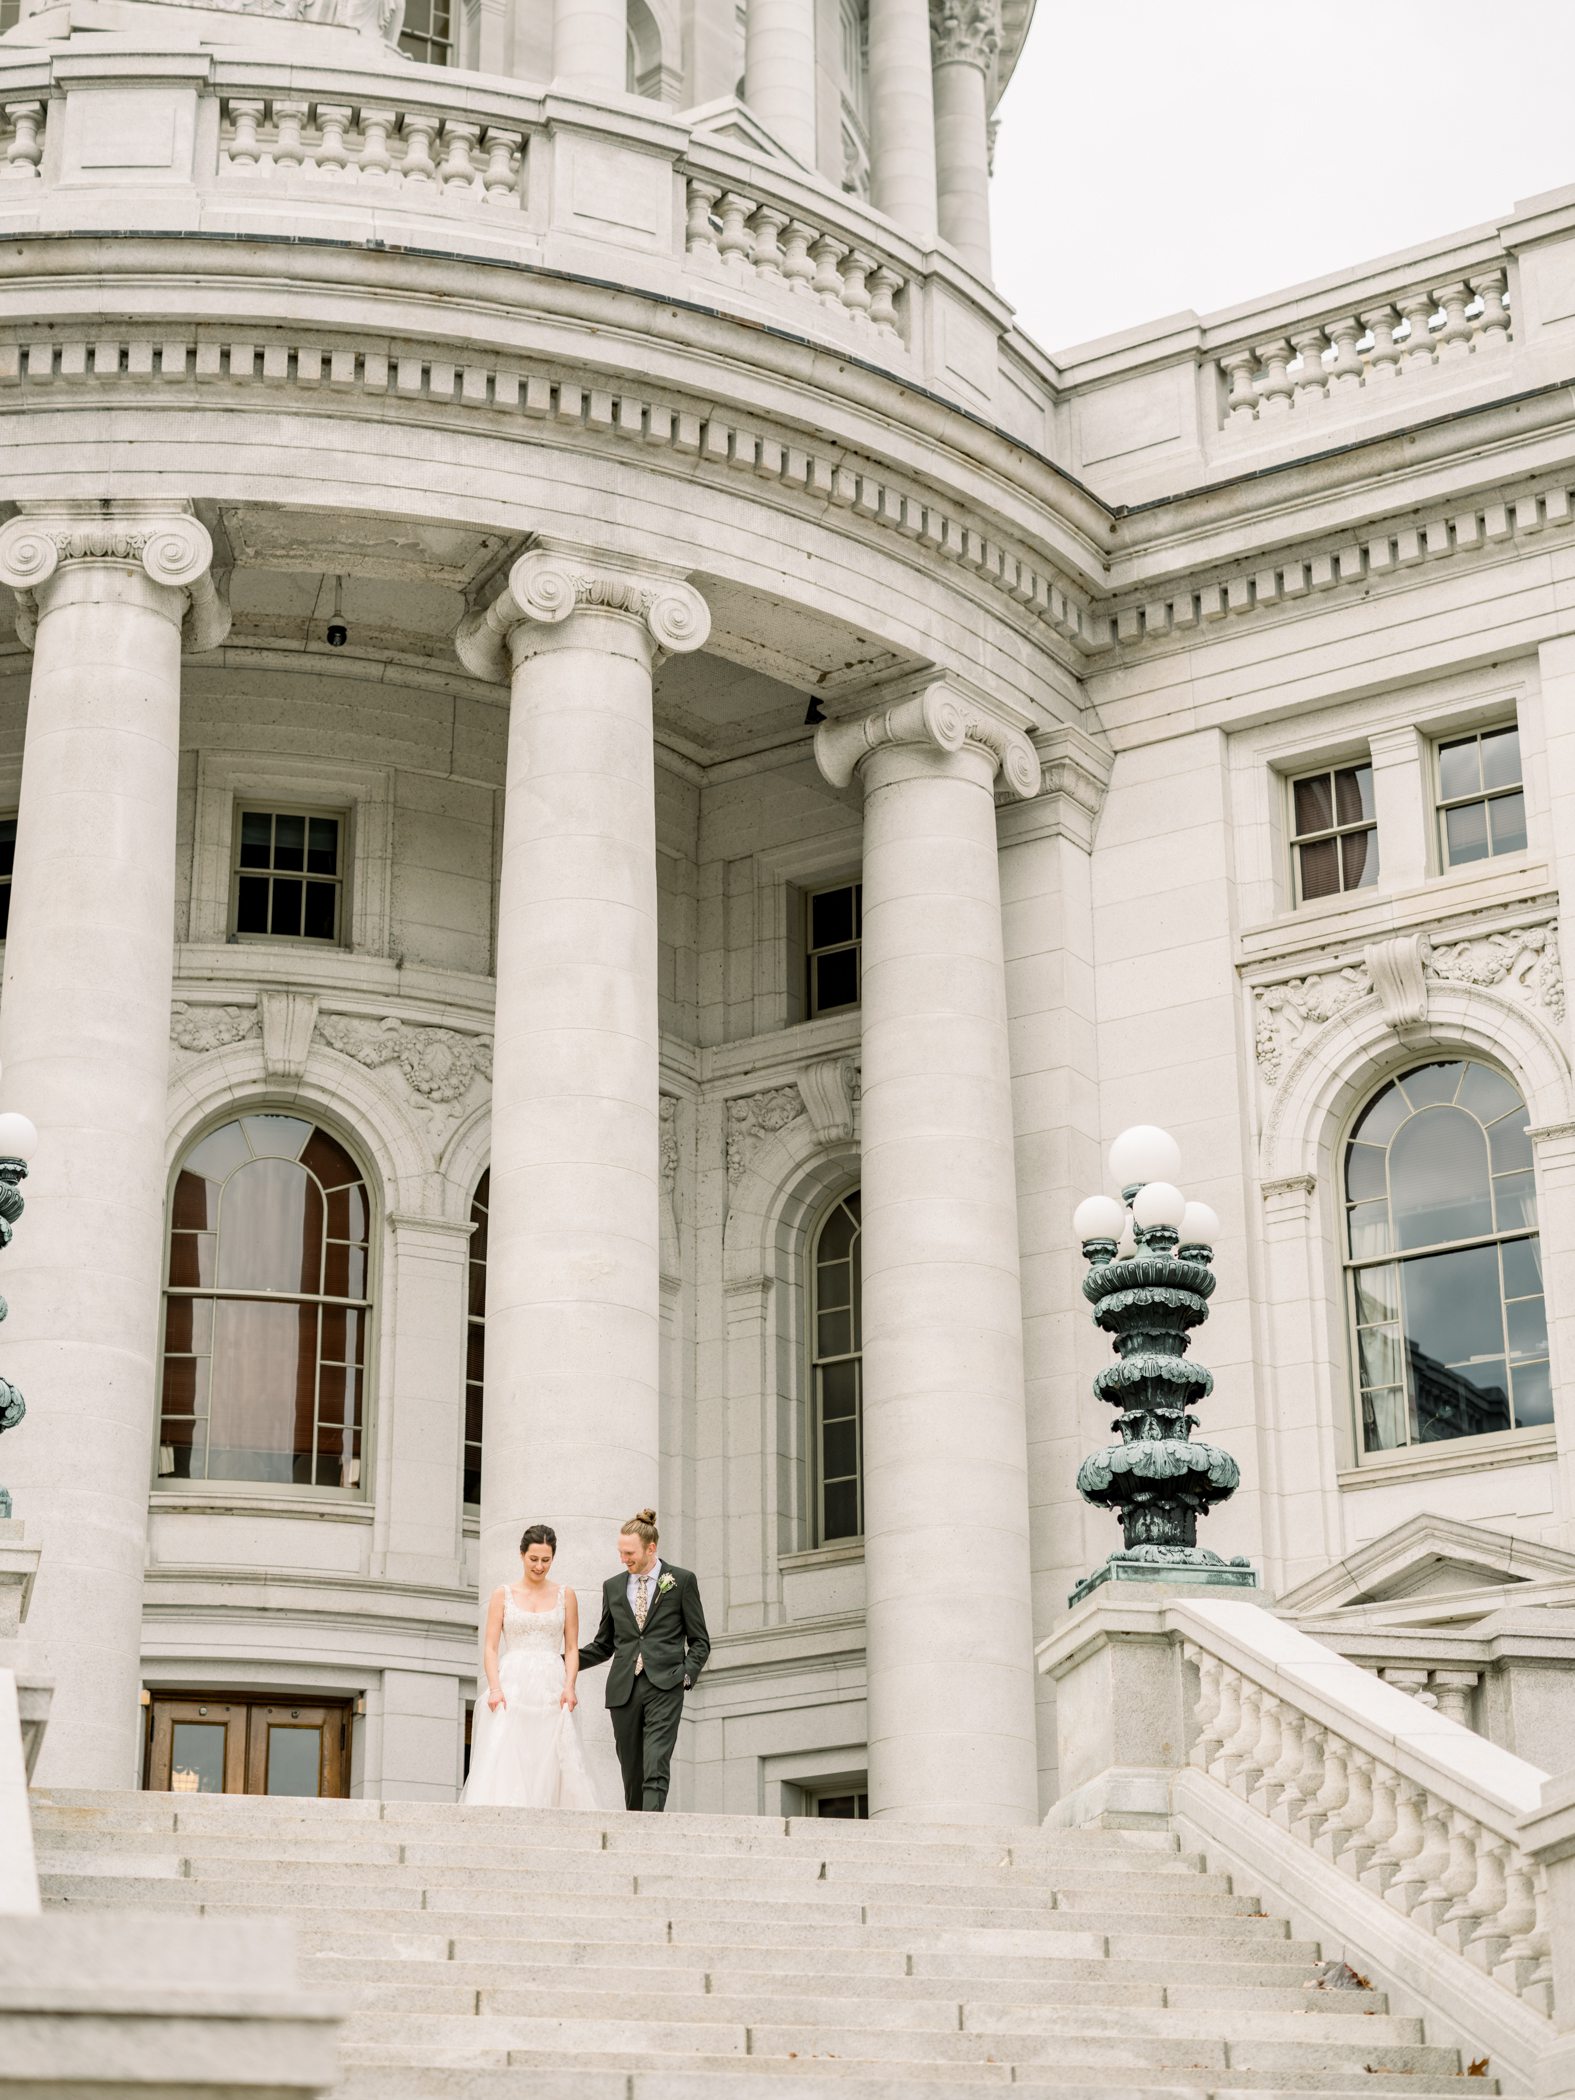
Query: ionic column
<point x="573" y="1242"/>
<point x="105" y="592"/>
<point x="902" y="115"/>
<point x="590" y="46"/>
<point x="779" y="71"/>
<point x="967" y="36"/>
<point x="949" y="1627"/>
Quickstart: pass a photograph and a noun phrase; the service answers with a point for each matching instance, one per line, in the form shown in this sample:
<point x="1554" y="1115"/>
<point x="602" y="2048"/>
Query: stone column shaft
<point x="574" y="1254"/>
<point x="779" y="71"/>
<point x="590" y="46"/>
<point x="85" y="1044"/>
<point x="950" y="1663"/>
<point x="967" y="38"/>
<point x="902" y="115"/>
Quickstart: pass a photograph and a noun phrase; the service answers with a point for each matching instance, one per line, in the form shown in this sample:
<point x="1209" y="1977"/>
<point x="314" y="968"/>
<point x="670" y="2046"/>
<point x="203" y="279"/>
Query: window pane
<point x="1533" y="1395"/>
<point x="1454" y="1330"/>
<point x="1509" y="1143"/>
<point x="295" y="1757"/>
<point x="289" y="843"/>
<point x="270" y="1229"/>
<point x="1378" y="1350"/>
<point x="1465" y="833"/>
<point x="1377" y="1297"/>
<point x="840" y="1501"/>
<point x="1353" y="795"/>
<point x="1433" y="1083"/>
<point x="1515" y="1201"/>
<point x="839" y="1389"/>
<point x="831" y="1249"/>
<point x="1368" y="1225"/>
<point x="1487" y="1093"/>
<point x="831" y="918"/>
<point x="7" y="846"/>
<point x="1501" y="758"/>
<point x="264" y="1358"/>
<point x="839" y="1449"/>
<point x="1383" y="1116"/>
<point x="1384" y="1425"/>
<point x="1527" y="1321"/>
<point x="1438" y="1178"/>
<point x="1359" y="859"/>
<point x="1314" y="804"/>
<point x="279" y="1137"/>
<point x="833" y="1334"/>
<point x="192" y="1257"/>
<point x="251" y="904"/>
<point x="1320" y="869"/>
<point x="1522" y="1268"/>
<point x="195" y="1204"/>
<point x="256" y="838"/>
<point x="284" y="915"/>
<point x="1365" y="1172"/>
<point x="5" y="909"/>
<point x="322" y="904"/>
<point x="197" y="1757"/>
<point x="836" y="979"/>
<point x="1507" y="822"/>
<point x="1459" y="769"/>
<point x="322" y="846"/>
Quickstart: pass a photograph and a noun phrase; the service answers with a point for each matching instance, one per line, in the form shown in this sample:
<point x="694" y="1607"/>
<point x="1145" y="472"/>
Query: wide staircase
<point x="485" y="1953"/>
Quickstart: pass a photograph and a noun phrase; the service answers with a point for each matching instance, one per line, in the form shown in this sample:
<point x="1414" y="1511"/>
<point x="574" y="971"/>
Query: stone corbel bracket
<point x="829" y="1091"/>
<point x="1396" y="969"/>
<point x="549" y="583"/>
<point x="939" y="716"/>
<point x="170" y="545"/>
<point x="288" y="1019"/>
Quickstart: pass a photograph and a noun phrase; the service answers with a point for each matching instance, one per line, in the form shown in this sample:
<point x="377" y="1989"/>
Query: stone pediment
<point x="1469" y="1569"/>
<point x="730" y="123"/>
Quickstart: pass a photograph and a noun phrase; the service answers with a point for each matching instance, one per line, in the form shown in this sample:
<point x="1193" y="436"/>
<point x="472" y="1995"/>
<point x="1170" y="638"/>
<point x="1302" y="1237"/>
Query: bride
<point x="525" y="1751"/>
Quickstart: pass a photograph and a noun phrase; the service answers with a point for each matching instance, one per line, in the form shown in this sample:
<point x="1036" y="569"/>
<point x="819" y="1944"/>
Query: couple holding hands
<point x="525" y="1749"/>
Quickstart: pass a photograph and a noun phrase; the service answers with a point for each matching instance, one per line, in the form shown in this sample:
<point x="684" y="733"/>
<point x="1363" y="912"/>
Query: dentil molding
<point x="554" y="581"/>
<point x="166" y="541"/>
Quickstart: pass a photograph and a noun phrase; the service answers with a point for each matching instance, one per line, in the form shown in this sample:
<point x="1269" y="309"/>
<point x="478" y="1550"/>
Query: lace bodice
<point x="533" y="1632"/>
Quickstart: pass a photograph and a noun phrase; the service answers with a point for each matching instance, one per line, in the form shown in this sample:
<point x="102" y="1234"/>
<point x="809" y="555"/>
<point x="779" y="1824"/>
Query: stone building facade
<point x="614" y="786"/>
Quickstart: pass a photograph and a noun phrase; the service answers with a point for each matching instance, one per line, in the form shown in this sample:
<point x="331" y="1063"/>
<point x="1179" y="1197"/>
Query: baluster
<point x="458" y="171"/>
<point x="1407" y="1847"/>
<point x="1286" y="1795"/>
<point x="1486" y="1901"/>
<point x="1264" y="1755"/>
<point x="1312" y="384"/>
<point x="1433" y="1899"/>
<point x="505" y="164"/>
<point x="1227" y="1720"/>
<point x="289" y="151"/>
<point x="1417" y="350"/>
<point x="333" y="119"/>
<point x="797" y="268"/>
<point x="1380" y="1866"/>
<point x="856" y="296"/>
<point x="1345" y="373"/>
<point x="24" y="149"/>
<point x="1454" y="340"/>
<point x="245" y="115"/>
<point x="1458" y="1880"/>
<point x="699" y="231"/>
<point x="1323" y="1828"/>
<point x="1538" y="1987"/>
<point x="1309" y="1781"/>
<point x="1383" y="360"/>
<point x="885" y="284"/>
<point x="1493" y="328"/>
<point x="377" y="163"/>
<point x="1354" y="1844"/>
<point x="1452" y="1689"/>
<point x="418" y="132"/>
<point x="734" y="243"/>
<point x="826" y="253"/>
<point x="766" y="230"/>
<point x="1275" y="386"/>
<point x="1518" y="1919"/>
<point x="1211" y="1694"/>
<point x="1241" y="370"/>
<point x="1243" y="1735"/>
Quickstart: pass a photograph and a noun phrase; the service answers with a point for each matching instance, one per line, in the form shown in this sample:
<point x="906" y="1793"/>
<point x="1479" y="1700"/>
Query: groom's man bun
<point x="642" y="1526"/>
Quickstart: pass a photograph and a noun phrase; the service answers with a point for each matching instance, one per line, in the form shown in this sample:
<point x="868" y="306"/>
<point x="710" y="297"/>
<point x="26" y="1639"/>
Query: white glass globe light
<point x="1099" y="1218"/>
<point x="1159" y="1203"/>
<point x="1127" y="1245"/>
<point x="1144" y="1153"/>
<point x="18" y="1138"/>
<point x="1199" y="1226"/>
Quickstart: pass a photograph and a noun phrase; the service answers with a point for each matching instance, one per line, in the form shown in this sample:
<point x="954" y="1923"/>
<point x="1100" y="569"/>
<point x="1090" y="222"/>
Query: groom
<point x="654" y="1630"/>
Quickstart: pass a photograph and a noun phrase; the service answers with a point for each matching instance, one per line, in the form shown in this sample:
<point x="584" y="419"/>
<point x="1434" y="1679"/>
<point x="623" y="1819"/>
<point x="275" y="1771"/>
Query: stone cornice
<point x="940" y="717"/>
<point x="164" y="540"/>
<point x="554" y="581"/>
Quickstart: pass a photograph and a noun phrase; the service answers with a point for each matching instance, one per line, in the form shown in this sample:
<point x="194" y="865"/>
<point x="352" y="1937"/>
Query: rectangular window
<point x="1334" y="832"/>
<point x="834" y="928"/>
<point x="428" y="32"/>
<point x="7" y="864"/>
<point x="288" y="875"/>
<point x="848" y="1807"/>
<point x="1481" y="801"/>
<point x="10" y="14"/>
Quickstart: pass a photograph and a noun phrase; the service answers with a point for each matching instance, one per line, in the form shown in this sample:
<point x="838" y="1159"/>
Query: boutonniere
<point x="664" y="1585"/>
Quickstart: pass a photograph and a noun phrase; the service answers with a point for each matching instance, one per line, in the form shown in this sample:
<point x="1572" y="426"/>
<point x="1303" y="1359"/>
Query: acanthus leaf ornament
<point x="439" y="1065"/>
<point x="752" y="1118"/>
<point x="966" y="32"/>
<point x="1284" y="1013"/>
<point x="203" y="1028"/>
<point x="1525" y="958"/>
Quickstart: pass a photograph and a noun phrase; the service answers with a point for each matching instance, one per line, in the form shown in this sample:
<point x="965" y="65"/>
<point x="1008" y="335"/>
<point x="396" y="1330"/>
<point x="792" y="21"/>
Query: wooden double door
<point x="222" y="1743"/>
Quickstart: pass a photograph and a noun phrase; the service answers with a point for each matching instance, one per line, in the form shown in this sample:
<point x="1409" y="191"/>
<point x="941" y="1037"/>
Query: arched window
<point x="836" y="1346"/>
<point x="1445" y="1264"/>
<point x="267" y="1308"/>
<point x="476" y="1337"/>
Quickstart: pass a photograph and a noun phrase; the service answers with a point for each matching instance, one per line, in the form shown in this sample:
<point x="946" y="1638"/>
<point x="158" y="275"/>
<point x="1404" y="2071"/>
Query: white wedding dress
<point x="527" y="1754"/>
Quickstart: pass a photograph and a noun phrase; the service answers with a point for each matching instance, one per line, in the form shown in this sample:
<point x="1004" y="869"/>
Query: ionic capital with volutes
<point x="47" y="544"/>
<point x="966" y="31"/>
<point x="554" y="582"/>
<point x="938" y="718"/>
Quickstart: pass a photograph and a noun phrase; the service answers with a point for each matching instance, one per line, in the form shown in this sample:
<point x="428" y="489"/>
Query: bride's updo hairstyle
<point x="539" y="1535"/>
<point x="642" y="1527"/>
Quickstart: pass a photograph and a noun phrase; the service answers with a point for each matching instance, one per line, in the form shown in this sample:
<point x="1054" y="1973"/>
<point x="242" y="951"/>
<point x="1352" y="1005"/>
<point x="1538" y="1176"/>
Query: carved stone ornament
<point x="550" y="583"/>
<point x="830" y="1089"/>
<point x="288" y="1019"/>
<point x="939" y="716"/>
<point x="204" y="1028"/>
<point x="379" y="19"/>
<point x="669" y="1113"/>
<point x="169" y="544"/>
<point x="968" y="31"/>
<point x="1520" y="961"/>
<point x="439" y="1065"/>
<point x="753" y="1118"/>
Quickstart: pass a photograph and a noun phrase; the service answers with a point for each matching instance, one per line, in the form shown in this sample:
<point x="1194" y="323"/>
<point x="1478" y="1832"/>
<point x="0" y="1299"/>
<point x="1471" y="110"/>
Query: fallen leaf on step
<point x="1479" y="2069"/>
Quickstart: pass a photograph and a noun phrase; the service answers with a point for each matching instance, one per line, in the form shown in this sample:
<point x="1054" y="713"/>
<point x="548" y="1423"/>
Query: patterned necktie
<point x="640" y="1608"/>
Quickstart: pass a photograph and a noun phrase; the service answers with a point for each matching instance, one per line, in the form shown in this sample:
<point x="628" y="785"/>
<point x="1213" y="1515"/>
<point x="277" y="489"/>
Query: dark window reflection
<point x="476" y="1347"/>
<point x="837" y="1342"/>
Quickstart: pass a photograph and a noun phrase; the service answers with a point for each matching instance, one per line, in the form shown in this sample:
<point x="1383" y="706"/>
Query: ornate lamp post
<point x="17" y="1140"/>
<point x="1149" y="1281"/>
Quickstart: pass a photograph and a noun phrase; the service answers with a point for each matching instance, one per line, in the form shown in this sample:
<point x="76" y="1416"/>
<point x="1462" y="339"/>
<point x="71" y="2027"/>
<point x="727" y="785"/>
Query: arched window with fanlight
<point x="267" y="1308"/>
<point x="476" y="1336"/>
<point x="836" y="1370"/>
<point x="1445" y="1265"/>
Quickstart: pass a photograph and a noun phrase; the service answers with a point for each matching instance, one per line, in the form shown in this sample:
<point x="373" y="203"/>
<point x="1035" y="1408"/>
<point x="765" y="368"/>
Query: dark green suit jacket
<point x="674" y="1643"/>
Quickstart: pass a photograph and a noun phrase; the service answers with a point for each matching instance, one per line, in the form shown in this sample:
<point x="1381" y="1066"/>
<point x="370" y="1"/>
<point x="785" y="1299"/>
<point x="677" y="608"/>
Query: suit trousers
<point x="645" y="1728"/>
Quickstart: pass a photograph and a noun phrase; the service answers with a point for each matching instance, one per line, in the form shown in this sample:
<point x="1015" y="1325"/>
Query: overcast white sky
<point x="1157" y="155"/>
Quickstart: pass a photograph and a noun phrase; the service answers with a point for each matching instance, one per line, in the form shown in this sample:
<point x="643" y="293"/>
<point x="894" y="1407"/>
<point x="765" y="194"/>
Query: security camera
<point x="338" y="632"/>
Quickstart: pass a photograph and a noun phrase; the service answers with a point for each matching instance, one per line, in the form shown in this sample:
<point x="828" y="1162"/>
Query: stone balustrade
<point x="1395" y="340"/>
<point x="21" y="140"/>
<point x="395" y="145"/>
<point x="780" y="254"/>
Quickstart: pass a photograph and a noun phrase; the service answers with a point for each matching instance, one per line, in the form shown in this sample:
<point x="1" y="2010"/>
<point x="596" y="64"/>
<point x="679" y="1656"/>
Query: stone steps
<point x="479" y="1954"/>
